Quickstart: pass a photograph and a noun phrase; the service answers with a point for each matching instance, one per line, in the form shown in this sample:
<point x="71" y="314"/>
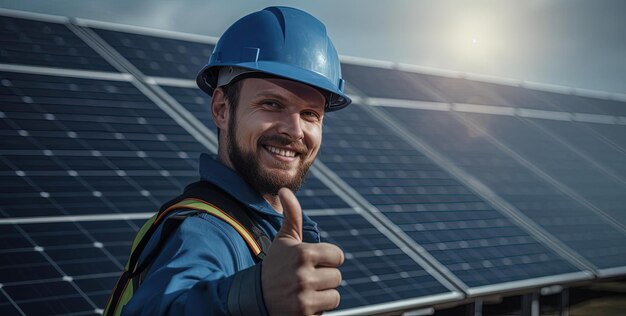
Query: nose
<point x="291" y="125"/>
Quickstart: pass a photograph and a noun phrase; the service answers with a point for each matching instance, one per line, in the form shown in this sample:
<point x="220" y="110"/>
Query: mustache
<point x="283" y="140"/>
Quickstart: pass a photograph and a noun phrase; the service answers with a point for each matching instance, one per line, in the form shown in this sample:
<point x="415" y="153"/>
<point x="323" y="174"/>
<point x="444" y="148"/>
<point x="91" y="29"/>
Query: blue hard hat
<point x="283" y="42"/>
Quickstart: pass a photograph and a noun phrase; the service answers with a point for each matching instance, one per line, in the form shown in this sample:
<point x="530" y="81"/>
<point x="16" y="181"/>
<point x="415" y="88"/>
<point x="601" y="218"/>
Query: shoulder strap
<point x="195" y="198"/>
<point x="221" y="205"/>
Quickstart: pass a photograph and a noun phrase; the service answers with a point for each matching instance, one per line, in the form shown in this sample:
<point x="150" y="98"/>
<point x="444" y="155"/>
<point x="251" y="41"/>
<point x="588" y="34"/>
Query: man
<point x="272" y="76"/>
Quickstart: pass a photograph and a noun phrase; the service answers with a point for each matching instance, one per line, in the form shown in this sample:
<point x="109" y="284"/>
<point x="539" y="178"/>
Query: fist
<point x="299" y="278"/>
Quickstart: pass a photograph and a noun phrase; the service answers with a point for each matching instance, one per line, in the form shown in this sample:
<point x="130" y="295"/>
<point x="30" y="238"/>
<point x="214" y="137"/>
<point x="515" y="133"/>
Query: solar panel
<point x="572" y="223"/>
<point x="475" y="242"/>
<point x="386" y="83"/>
<point x="583" y="104"/>
<point x="397" y="84"/>
<point x="376" y="270"/>
<point x="459" y="90"/>
<point x="614" y="134"/>
<point x="590" y="142"/>
<point x="31" y="42"/>
<point x="89" y="142"/>
<point x="157" y="56"/>
<point x="62" y="268"/>
<point x="195" y="101"/>
<point x="586" y="177"/>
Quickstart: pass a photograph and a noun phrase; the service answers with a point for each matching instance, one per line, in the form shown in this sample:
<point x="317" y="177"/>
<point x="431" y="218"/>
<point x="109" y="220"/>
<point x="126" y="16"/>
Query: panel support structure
<point x="530" y="304"/>
<point x="564" y="303"/>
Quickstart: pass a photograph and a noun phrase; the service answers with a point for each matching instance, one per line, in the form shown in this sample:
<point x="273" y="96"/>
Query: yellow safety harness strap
<point x="127" y="283"/>
<point x="200" y="205"/>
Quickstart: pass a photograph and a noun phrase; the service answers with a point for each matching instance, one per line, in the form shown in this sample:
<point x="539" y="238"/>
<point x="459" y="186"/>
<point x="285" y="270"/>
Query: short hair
<point x="231" y="95"/>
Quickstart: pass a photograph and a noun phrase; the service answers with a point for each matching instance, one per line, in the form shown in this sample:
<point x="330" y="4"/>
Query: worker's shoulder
<point x="202" y="224"/>
<point x="208" y="234"/>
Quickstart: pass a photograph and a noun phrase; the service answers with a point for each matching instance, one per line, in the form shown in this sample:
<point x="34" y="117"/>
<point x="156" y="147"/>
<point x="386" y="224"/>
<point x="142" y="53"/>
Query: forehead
<point x="287" y="90"/>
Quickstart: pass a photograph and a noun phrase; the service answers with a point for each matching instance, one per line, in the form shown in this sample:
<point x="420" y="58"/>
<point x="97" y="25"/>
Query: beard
<point x="247" y="165"/>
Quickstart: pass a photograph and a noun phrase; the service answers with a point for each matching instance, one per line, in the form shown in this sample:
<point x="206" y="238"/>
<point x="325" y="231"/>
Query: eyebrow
<point x="279" y="97"/>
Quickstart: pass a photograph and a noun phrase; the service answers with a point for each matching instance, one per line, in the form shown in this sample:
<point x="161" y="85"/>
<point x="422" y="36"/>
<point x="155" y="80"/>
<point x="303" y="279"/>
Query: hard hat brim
<point x="337" y="99"/>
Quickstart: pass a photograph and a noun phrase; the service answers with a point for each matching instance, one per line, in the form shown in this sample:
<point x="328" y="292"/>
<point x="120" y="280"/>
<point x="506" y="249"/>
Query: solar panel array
<point x="435" y="187"/>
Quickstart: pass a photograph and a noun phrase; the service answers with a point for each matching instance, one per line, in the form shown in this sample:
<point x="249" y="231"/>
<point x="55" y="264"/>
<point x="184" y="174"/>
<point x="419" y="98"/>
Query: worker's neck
<point x="272" y="199"/>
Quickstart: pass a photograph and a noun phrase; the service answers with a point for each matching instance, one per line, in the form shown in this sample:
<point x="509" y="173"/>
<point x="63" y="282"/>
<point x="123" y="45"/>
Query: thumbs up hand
<point x="299" y="278"/>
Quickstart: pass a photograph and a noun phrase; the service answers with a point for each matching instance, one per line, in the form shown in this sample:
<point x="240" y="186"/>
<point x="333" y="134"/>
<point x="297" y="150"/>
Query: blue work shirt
<point x="205" y="267"/>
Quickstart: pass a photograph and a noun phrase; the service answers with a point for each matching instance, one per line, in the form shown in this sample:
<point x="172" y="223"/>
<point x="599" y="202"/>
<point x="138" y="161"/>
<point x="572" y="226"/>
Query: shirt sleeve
<point x="204" y="268"/>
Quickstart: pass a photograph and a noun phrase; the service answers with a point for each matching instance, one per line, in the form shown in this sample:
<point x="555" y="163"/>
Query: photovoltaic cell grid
<point x="160" y="57"/>
<point x="62" y="268"/>
<point x="395" y="84"/>
<point x="471" y="239"/>
<point x="73" y="266"/>
<point x="572" y="223"/>
<point x="615" y="135"/>
<point x="29" y="42"/>
<point x="375" y="270"/>
<point x="587" y="177"/>
<point x="385" y="83"/>
<point x="195" y="101"/>
<point x="590" y="142"/>
<point x="82" y="146"/>
<point x="474" y="92"/>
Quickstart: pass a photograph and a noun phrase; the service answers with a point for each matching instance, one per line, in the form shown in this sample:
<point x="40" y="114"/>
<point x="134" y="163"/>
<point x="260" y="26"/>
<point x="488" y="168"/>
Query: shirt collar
<point x="228" y="180"/>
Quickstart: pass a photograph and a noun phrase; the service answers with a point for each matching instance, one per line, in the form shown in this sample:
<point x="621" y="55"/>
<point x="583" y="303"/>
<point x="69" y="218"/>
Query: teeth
<point x="282" y="152"/>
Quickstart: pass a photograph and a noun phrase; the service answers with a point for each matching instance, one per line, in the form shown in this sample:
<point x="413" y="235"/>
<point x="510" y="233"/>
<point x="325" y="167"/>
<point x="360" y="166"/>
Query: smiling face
<point x="273" y="135"/>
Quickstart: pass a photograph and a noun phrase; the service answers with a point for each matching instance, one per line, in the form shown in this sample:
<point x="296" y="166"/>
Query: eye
<point x="271" y="104"/>
<point x="311" y="115"/>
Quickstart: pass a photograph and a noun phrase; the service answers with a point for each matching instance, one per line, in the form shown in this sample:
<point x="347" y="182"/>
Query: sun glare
<point x="472" y="40"/>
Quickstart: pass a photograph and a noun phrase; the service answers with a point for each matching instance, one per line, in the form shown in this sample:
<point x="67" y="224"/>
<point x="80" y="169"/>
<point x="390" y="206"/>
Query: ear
<point x="219" y="109"/>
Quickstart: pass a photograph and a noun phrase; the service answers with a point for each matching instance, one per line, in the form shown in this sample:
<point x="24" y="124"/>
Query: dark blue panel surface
<point x="572" y="223"/>
<point x="470" y="238"/>
<point x="395" y="84"/>
<point x="62" y="268"/>
<point x="29" y="42"/>
<point x="375" y="270"/>
<point x="156" y="56"/>
<point x="572" y="103"/>
<point x="592" y="182"/>
<point x="386" y="83"/>
<point x="613" y="134"/>
<point x="76" y="146"/>
<point x="457" y="90"/>
<point x="590" y="142"/>
<point x="73" y="266"/>
<point x="316" y="195"/>
<point x="195" y="101"/>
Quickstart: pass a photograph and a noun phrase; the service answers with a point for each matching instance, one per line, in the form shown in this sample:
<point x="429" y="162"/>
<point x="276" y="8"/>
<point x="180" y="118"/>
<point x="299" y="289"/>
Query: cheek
<point x="250" y="128"/>
<point x="314" y="138"/>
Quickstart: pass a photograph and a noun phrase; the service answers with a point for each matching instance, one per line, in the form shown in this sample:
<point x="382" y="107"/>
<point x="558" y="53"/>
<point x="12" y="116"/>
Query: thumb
<point x="292" y="225"/>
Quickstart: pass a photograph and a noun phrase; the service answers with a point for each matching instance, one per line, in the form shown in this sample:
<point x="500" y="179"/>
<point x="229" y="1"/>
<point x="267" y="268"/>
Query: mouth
<point x="281" y="151"/>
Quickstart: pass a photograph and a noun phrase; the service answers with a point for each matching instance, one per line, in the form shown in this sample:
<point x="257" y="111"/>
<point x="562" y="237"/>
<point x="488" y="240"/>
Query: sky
<point x="576" y="43"/>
